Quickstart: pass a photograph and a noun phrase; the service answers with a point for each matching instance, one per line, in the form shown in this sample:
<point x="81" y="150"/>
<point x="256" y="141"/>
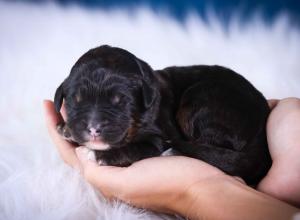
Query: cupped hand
<point x="158" y="183"/>
<point x="283" y="129"/>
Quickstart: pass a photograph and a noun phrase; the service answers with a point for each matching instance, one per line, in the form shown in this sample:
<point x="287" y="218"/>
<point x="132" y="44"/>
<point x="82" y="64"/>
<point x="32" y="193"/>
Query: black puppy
<point x="117" y="105"/>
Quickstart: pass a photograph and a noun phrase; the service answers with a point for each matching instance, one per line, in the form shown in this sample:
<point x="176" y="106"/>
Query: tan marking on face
<point x="78" y="97"/>
<point x="132" y="130"/>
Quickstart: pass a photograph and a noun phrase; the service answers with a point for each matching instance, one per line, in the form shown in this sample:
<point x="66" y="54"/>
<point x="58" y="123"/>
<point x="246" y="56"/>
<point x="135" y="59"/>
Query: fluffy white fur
<point x="40" y="43"/>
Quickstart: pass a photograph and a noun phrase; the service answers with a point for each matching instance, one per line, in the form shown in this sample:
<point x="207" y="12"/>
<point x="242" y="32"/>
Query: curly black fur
<point x="205" y="112"/>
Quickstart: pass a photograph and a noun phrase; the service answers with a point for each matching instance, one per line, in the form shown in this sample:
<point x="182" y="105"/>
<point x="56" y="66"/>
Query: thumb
<point x="108" y="179"/>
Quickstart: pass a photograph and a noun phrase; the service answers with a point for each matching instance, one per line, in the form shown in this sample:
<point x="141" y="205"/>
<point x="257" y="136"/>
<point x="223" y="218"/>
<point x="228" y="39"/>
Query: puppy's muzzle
<point x="94" y="132"/>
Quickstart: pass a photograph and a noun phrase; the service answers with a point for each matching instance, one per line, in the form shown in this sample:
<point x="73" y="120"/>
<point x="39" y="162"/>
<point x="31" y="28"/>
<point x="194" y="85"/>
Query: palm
<point x="148" y="181"/>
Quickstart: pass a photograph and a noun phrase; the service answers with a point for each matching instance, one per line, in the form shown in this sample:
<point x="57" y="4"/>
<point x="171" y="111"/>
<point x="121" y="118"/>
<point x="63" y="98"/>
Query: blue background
<point x="224" y="9"/>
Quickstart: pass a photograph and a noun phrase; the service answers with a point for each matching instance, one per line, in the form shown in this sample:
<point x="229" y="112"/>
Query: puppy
<point x="119" y="106"/>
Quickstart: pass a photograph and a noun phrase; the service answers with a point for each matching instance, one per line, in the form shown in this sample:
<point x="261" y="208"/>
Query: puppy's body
<point x="220" y="119"/>
<point x="206" y="112"/>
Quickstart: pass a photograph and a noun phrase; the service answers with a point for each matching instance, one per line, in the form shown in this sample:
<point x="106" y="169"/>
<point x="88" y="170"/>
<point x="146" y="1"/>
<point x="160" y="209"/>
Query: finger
<point x="272" y="103"/>
<point x="108" y="179"/>
<point x="65" y="148"/>
<point x="52" y="117"/>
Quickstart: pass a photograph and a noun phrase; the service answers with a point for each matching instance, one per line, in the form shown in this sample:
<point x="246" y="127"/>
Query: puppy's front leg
<point x="64" y="131"/>
<point x="125" y="156"/>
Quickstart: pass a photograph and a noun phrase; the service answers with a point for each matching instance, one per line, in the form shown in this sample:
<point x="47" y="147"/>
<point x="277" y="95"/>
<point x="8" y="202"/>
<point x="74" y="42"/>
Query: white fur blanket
<point x="40" y="43"/>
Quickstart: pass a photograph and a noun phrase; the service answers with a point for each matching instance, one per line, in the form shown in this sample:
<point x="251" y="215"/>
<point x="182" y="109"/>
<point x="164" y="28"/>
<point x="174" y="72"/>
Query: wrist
<point x="224" y="197"/>
<point x="196" y="201"/>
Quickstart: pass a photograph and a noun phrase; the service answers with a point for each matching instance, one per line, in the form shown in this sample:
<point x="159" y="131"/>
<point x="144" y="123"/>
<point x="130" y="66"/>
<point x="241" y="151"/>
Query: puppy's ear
<point x="58" y="98"/>
<point x="149" y="93"/>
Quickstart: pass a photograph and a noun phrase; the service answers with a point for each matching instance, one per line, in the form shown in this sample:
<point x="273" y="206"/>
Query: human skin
<point x="283" y="133"/>
<point x="181" y="185"/>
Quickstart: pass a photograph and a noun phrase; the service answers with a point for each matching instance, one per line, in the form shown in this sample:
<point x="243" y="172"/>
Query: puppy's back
<point x="222" y="118"/>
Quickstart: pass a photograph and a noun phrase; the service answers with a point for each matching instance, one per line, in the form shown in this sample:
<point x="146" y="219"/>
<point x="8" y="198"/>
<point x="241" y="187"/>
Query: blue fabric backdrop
<point x="269" y="9"/>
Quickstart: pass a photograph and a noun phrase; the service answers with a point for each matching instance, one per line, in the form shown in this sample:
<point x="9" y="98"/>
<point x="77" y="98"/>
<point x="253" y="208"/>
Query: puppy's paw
<point x="86" y="154"/>
<point x="102" y="162"/>
<point x="60" y="128"/>
<point x="91" y="155"/>
<point x="64" y="131"/>
<point x="113" y="158"/>
<point x="102" y="158"/>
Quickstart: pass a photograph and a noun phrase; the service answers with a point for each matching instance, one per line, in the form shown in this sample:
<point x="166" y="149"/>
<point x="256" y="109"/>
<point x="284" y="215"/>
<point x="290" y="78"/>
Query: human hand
<point x="283" y="129"/>
<point x="160" y="183"/>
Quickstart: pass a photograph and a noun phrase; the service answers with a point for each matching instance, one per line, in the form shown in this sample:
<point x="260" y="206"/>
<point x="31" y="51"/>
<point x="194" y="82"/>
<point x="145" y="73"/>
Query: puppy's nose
<point x="94" y="132"/>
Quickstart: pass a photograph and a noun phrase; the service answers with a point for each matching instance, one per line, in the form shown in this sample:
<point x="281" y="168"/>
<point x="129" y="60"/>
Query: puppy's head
<point x="108" y="95"/>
